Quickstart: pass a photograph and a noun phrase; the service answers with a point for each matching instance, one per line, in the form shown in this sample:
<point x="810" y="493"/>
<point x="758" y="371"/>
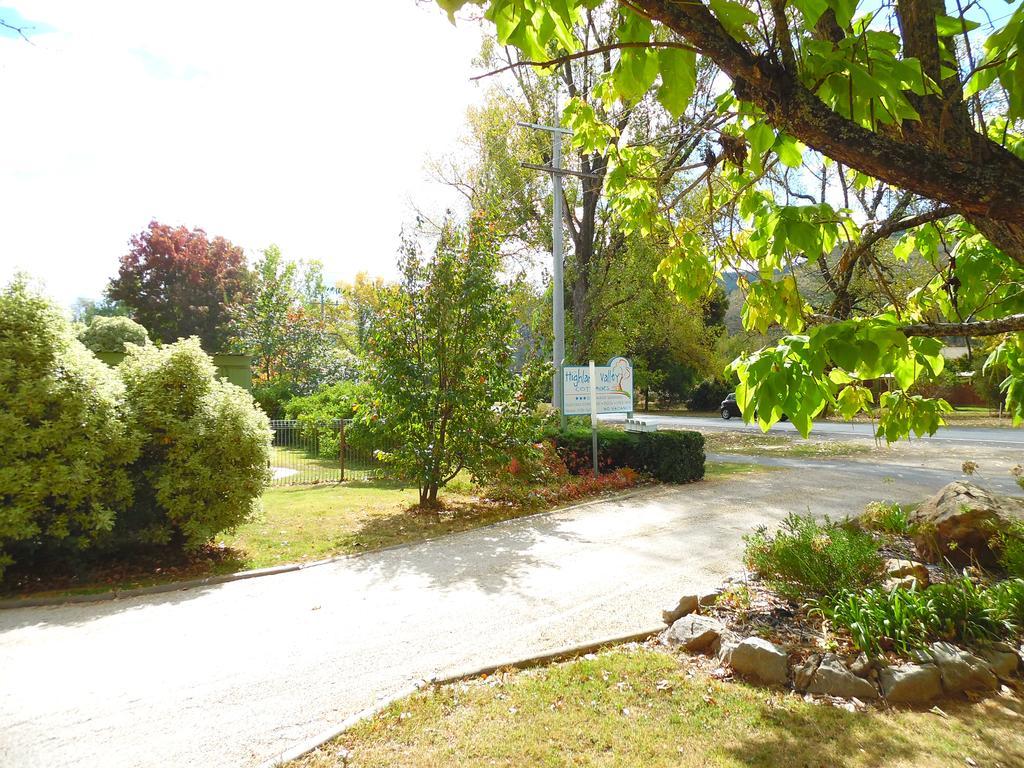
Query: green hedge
<point x="671" y="456"/>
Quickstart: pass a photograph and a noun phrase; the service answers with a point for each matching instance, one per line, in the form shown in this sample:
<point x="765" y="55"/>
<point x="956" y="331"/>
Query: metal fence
<point x="321" y="452"/>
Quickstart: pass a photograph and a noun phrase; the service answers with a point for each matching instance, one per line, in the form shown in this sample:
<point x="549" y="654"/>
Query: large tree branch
<point x="848" y="261"/>
<point x="975" y="328"/>
<point x="1008" y="324"/>
<point x="986" y="187"/>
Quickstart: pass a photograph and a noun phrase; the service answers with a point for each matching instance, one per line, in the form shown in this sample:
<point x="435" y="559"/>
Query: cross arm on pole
<point x="560" y="171"/>
<point x="551" y="128"/>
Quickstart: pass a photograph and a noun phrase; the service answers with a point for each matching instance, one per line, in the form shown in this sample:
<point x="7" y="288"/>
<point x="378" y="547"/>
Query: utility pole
<point x="557" y="284"/>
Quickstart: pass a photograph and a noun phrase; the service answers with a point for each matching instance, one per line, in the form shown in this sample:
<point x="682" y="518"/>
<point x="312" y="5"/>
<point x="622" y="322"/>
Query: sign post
<point x="593" y="415"/>
<point x="597" y="389"/>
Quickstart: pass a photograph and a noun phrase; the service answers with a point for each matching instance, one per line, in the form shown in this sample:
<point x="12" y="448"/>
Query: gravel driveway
<point x="232" y="675"/>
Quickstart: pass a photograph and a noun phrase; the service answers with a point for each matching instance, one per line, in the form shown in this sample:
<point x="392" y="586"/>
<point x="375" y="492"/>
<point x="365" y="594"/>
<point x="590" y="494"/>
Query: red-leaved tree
<point x="179" y="283"/>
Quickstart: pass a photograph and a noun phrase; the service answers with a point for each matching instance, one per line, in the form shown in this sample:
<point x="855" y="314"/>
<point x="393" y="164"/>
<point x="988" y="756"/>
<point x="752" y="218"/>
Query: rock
<point x="901" y="569"/>
<point x="961" y="670"/>
<point x="910" y="683"/>
<point x="1002" y="662"/>
<point x="759" y="659"/>
<point x="832" y="678"/>
<point x="687" y="604"/>
<point x="959" y="521"/>
<point x="694" y="632"/>
<point x="724" y="645"/>
<point x="802" y="673"/>
<point x="907" y="582"/>
<point x="862" y="666"/>
<point x="709" y="598"/>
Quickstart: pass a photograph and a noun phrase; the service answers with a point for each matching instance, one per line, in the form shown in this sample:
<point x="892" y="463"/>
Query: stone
<point x="694" y="632"/>
<point x="758" y="658"/>
<point x="897" y="568"/>
<point x="832" y="678"/>
<point x="724" y="645"/>
<point x="961" y="670"/>
<point x="1003" y="663"/>
<point x="687" y="604"/>
<point x="802" y="673"/>
<point x="907" y="582"/>
<point x="958" y="522"/>
<point x="862" y="666"/>
<point x="910" y="683"/>
<point x="709" y="598"/>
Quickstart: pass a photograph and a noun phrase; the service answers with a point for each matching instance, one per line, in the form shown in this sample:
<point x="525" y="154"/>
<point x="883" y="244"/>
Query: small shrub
<point x="965" y="611"/>
<point x="673" y="456"/>
<point x="806" y="558"/>
<point x="205" y="447"/>
<point x="327" y="405"/>
<point x="906" y="619"/>
<point x="1010" y="546"/>
<point x="64" y="446"/>
<point x="562" y="490"/>
<point x="110" y="334"/>
<point x="1007" y="597"/>
<point x="669" y="456"/>
<point x="273" y="398"/>
<point x="877" y="619"/>
<point x="888" y="518"/>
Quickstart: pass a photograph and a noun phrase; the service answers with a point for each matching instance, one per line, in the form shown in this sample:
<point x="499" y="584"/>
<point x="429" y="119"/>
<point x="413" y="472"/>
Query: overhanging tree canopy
<point x="913" y="108"/>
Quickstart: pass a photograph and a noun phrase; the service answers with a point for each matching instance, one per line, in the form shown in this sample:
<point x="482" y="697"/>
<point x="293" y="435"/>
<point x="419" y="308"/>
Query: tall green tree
<point x="291" y="325"/>
<point x="913" y="98"/>
<point x="494" y="178"/>
<point x="440" y="353"/>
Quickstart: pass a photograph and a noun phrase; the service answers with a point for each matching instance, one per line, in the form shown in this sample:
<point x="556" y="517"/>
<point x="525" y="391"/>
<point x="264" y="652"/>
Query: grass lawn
<point x="299" y="524"/>
<point x="758" y="444"/>
<point x="714" y="470"/>
<point x="639" y="706"/>
<point x="308" y="523"/>
<point x="296" y="524"/>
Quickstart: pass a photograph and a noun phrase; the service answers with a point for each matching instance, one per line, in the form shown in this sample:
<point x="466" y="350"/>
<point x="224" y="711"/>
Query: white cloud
<point x="305" y="124"/>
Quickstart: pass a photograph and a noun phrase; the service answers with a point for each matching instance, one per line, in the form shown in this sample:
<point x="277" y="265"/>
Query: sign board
<point x="614" y="388"/>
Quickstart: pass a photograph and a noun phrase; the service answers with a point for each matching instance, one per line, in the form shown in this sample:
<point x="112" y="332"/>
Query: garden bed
<point x="873" y="608"/>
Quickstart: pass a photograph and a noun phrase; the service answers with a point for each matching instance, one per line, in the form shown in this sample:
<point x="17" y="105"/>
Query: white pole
<point x="593" y="415"/>
<point x="557" y="287"/>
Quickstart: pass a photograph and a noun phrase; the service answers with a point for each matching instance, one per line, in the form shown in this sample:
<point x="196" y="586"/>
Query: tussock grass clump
<point x="805" y="558"/>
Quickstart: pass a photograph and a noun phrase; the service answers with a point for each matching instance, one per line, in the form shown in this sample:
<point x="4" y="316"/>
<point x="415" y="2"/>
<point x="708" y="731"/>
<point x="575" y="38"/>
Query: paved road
<point x="233" y="675"/>
<point x="834" y="430"/>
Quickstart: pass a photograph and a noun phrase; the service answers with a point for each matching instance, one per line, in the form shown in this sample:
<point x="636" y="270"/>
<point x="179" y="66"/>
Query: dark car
<point x="730" y="407"/>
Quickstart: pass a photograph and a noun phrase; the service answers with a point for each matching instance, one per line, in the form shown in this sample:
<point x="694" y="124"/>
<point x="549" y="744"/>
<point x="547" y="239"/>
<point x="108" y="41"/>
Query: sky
<point x="306" y="125"/>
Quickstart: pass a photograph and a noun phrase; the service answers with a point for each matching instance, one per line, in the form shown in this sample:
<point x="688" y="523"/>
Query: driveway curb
<point x="209" y="581"/>
<point x="567" y="652"/>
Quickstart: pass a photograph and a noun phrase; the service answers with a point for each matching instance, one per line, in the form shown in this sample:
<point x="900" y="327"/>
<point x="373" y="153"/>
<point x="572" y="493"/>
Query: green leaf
<point x="761" y="137"/>
<point x="734" y="17"/>
<point x="789" y="150"/>
<point x="905" y="247"/>
<point x="811" y="10"/>
<point x="678" y="79"/>
<point x="844" y="10"/>
<point x="948" y="26"/>
<point x="635" y="72"/>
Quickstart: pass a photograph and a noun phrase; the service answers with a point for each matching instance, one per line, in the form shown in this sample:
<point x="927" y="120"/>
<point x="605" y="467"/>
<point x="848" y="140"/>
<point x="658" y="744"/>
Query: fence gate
<point x="319" y="452"/>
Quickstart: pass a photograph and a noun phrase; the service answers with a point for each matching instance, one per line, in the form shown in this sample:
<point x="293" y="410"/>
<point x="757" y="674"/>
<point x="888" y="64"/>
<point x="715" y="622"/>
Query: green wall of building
<point x="236" y="369"/>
